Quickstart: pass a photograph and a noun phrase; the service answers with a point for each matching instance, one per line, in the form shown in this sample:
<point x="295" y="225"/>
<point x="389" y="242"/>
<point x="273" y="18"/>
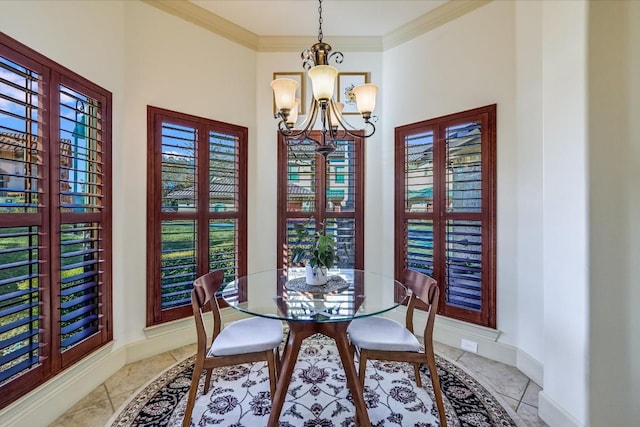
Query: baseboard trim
<point x="50" y="400"/>
<point x="530" y="367"/>
<point x="553" y="414"/>
<point x="451" y="332"/>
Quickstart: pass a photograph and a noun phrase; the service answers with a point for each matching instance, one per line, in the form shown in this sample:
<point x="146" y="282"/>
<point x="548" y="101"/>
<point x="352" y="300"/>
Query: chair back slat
<point x="203" y="294"/>
<point x="425" y="289"/>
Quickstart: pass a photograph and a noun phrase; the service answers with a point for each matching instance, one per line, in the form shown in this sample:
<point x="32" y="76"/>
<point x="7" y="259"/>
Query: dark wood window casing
<point x="196" y="207"/>
<point x="55" y="219"/>
<point x="316" y="190"/>
<point x="445" y="209"/>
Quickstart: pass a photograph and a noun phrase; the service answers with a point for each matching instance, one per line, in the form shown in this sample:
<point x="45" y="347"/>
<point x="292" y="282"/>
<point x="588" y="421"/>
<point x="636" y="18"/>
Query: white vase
<point x="316" y="276"/>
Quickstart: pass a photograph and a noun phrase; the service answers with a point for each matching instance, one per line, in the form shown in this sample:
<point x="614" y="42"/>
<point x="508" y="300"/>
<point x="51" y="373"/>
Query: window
<point x="55" y="219"/>
<point x="445" y="209"/>
<point x="197" y="207"/>
<point x="323" y="190"/>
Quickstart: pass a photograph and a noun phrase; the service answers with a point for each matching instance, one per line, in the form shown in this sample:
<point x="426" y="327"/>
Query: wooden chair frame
<point x="424" y="292"/>
<point x="203" y="294"/>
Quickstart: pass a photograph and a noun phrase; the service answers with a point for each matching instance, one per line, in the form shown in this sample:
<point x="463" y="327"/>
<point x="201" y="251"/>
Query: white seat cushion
<point x="247" y="336"/>
<point x="380" y="333"/>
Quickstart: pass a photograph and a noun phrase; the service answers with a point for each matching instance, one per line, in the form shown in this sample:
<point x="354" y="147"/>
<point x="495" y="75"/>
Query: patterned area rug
<point x="317" y="396"/>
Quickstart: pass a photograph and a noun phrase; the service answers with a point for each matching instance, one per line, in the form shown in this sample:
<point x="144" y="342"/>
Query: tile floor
<point x="98" y="406"/>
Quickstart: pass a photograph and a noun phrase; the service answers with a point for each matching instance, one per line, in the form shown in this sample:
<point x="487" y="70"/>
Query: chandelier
<point x="333" y="126"/>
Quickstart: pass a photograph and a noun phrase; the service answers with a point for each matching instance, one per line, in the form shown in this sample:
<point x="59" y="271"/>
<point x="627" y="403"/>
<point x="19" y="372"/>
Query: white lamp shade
<point x="335" y="114"/>
<point x="323" y="78"/>
<point x="284" y="91"/>
<point x="293" y="114"/>
<point x="365" y="97"/>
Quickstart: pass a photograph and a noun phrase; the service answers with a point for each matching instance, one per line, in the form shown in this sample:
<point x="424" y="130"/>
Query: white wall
<point x="564" y="213"/>
<point x="614" y="203"/>
<point x="172" y="64"/>
<point x="529" y="183"/>
<point x="468" y="63"/>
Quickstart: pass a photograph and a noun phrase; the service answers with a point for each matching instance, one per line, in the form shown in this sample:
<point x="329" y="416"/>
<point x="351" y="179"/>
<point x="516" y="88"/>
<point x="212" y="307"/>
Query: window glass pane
<point x="19" y="300"/>
<point x="80" y="152"/>
<point x="341" y="173"/>
<point x="464" y="264"/>
<point x="464" y="168"/>
<point x="344" y="233"/>
<point x="223" y="247"/>
<point x="420" y="245"/>
<point x="223" y="172"/>
<point x="178" y="167"/>
<point x="419" y="172"/>
<point x="20" y="147"/>
<point x="179" y="262"/>
<point x="301" y="194"/>
<point x="293" y="241"/>
<point x="80" y="282"/>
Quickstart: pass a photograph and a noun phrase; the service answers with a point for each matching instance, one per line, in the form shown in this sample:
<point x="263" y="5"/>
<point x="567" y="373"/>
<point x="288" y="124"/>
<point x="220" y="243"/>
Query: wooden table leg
<point x="298" y="331"/>
<point x="289" y="358"/>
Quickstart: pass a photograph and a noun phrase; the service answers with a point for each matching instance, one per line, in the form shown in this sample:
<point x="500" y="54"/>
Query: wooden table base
<point x="298" y="331"/>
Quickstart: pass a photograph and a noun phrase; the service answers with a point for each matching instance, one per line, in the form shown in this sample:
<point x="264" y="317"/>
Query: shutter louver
<point x="21" y="202"/>
<point x="81" y="204"/>
<point x="224" y="201"/>
<point x="445" y="209"/>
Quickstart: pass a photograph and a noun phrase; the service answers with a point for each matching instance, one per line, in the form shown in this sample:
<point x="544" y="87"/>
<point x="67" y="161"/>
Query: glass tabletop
<point x="284" y="294"/>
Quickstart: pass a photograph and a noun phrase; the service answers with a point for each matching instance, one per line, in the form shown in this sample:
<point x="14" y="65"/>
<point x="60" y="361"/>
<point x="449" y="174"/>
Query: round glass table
<point x="326" y="309"/>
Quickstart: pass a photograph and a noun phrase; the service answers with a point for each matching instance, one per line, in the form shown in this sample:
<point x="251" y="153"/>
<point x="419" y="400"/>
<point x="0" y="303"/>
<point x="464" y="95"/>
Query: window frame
<point x="49" y="218"/>
<point x="321" y="212"/>
<point x="487" y="216"/>
<point x="155" y="115"/>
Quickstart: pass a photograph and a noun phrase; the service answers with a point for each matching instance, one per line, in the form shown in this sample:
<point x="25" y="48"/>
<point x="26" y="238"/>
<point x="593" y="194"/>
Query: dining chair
<point x="381" y="338"/>
<point x="244" y="341"/>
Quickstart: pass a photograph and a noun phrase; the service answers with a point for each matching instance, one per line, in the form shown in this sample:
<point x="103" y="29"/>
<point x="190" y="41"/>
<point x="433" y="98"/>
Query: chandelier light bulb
<point x="365" y="97"/>
<point x="293" y="114"/>
<point x="285" y="93"/>
<point x="323" y="78"/>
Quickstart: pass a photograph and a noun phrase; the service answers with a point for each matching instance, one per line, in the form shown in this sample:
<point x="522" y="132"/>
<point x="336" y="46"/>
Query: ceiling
<point x="369" y="18"/>
<point x="291" y="25"/>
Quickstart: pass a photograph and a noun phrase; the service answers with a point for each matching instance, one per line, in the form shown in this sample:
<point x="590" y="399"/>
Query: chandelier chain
<point x="320" y="21"/>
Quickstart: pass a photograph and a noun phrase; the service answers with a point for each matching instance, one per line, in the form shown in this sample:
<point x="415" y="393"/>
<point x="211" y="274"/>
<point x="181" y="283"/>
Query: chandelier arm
<point x="306" y="125"/>
<point x="346" y="125"/>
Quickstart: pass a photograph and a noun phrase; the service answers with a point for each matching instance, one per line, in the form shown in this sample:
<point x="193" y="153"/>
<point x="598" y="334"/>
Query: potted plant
<point x="319" y="251"/>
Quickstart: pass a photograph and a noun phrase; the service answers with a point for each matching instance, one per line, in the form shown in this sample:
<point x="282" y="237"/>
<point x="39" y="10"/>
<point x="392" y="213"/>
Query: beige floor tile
<point x="504" y="379"/>
<point x="447" y="350"/>
<point x="529" y="415"/>
<point x="513" y="403"/>
<point x="531" y="394"/>
<point x="182" y="353"/>
<point x="94" y="410"/>
<point x="134" y="375"/>
<point x="118" y="400"/>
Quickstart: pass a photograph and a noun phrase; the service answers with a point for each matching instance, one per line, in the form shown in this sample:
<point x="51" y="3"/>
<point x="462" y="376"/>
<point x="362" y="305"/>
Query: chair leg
<point x="193" y="390"/>
<point x="271" y="364"/>
<point x="435" y="380"/>
<point x="363" y="367"/>
<point x="416" y="371"/>
<point x="207" y="380"/>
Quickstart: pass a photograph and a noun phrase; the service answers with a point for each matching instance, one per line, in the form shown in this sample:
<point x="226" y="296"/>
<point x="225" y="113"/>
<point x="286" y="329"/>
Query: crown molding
<point x="207" y="20"/>
<point x="299" y="43"/>
<point x="439" y="16"/>
<point x="216" y="24"/>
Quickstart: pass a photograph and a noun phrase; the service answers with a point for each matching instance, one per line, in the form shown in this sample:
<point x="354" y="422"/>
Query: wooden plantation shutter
<point x="55" y="218"/>
<point x="196" y="206"/>
<point x="445" y="209"/>
<point x="313" y="189"/>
